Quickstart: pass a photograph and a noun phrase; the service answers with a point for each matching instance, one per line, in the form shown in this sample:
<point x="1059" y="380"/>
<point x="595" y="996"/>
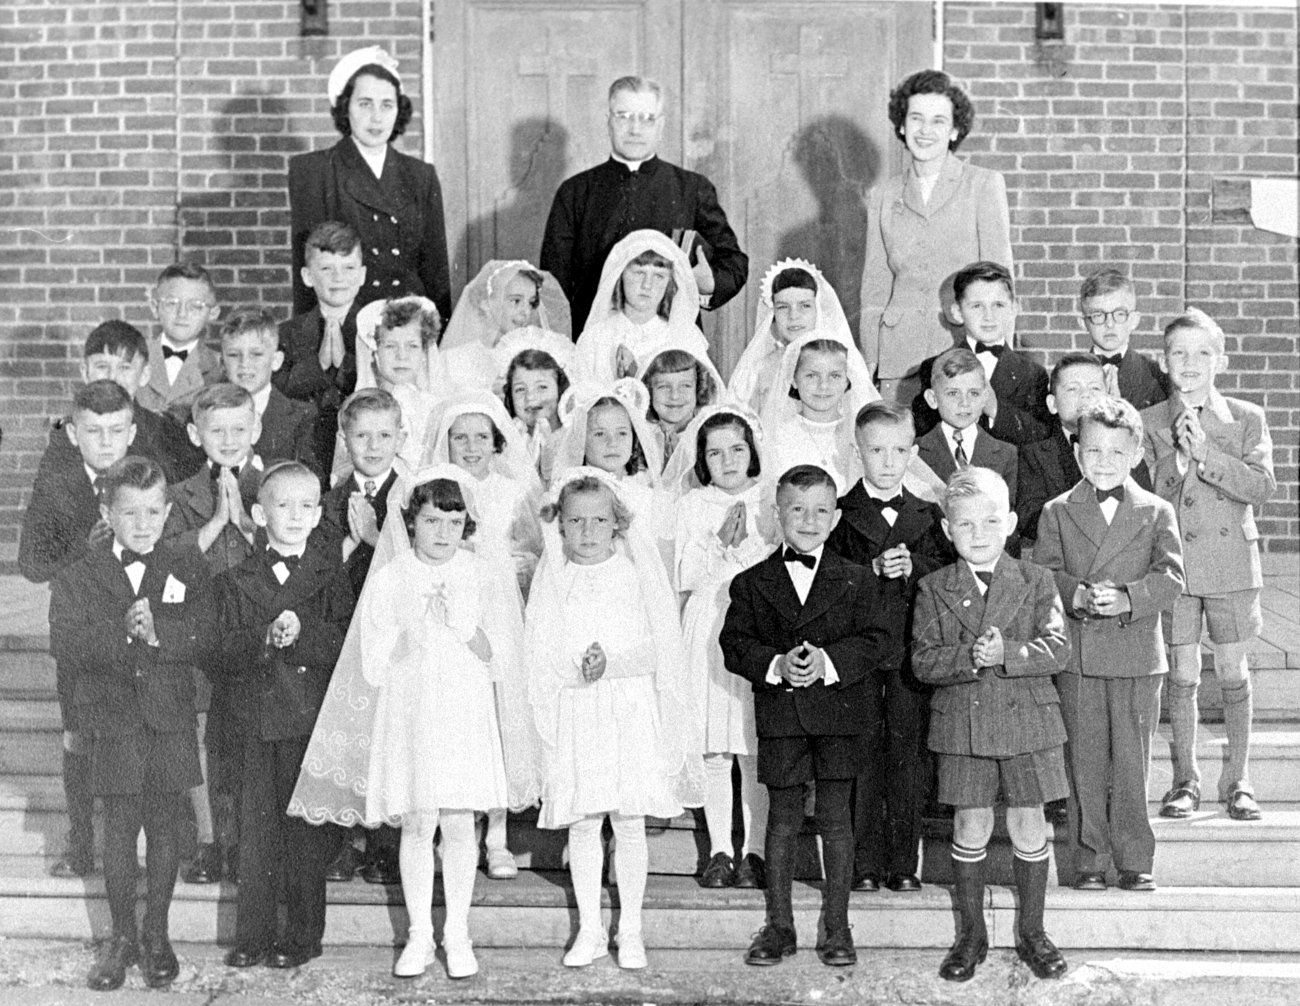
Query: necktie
<point x="180" y="354"/>
<point x="129" y="557"/>
<point x="960" y="453"/>
<point x="369" y="487"/>
<point x="803" y="558"/>
<point x="985" y="577"/>
<point x="895" y="503"/>
<point x="330" y="353"/>
<point x="1116" y="493"/>
<point x="997" y="350"/>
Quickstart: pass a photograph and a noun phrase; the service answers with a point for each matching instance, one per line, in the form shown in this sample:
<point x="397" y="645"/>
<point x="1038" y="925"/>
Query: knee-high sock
<point x="1030" y="870"/>
<point x="81" y="803"/>
<point x="586" y="860"/>
<point x="835" y="826"/>
<point x="753" y="807"/>
<point x="496" y="830"/>
<point x="968" y="875"/>
<point x="459" y="864"/>
<point x="783" y="826"/>
<point x="633" y="866"/>
<point x="122" y="816"/>
<point x="161" y="812"/>
<point x="1183" y="717"/>
<point x="199" y="798"/>
<point x="415" y="855"/>
<point x="717" y="802"/>
<point x="1237" y="713"/>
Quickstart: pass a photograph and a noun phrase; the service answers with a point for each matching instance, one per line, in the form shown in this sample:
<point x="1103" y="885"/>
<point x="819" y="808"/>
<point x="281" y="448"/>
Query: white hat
<point x="346" y="67"/>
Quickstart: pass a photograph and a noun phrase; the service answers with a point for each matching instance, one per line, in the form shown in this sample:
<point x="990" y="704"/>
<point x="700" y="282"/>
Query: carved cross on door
<point x="812" y="65"/>
<point x="558" y="66"/>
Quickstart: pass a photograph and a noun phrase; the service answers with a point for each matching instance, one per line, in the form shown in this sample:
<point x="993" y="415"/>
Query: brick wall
<point x="112" y="162"/>
<point x="1112" y="143"/>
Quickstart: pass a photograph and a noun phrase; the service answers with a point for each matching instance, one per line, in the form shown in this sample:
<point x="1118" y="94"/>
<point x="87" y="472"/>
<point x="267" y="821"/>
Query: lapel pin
<point x="966" y="603"/>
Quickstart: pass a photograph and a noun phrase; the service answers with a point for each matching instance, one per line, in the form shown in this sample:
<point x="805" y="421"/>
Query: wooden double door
<point x="783" y="105"/>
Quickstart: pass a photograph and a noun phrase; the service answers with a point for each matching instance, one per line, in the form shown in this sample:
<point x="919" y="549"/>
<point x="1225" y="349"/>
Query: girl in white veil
<point x="794" y="298"/>
<point x="646" y="290"/>
<point x="536" y="369"/>
<point x="680" y="381"/>
<point x="409" y="734"/>
<point x="607" y="681"/>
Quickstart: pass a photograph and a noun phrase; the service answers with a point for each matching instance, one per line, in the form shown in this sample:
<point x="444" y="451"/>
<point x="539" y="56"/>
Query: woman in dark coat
<point x="393" y="200"/>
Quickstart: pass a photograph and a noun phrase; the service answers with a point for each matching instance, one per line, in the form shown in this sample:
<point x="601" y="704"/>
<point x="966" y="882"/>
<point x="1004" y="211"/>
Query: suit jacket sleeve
<point x="1050" y="554"/>
<point x="435" y="268"/>
<point x="932" y="550"/>
<point x="1048" y="652"/>
<point x="935" y="661"/>
<point x="304" y="440"/>
<point x="300" y="377"/>
<point x="730" y="265"/>
<point x="1031" y="495"/>
<point x="324" y="625"/>
<point x="48" y="541"/>
<point x="307" y="208"/>
<point x="1164" y="581"/>
<point x="558" y="241"/>
<point x="1248" y="479"/>
<point x="183" y="524"/>
<point x="242" y="629"/>
<point x="743" y="650"/>
<point x="867" y="646"/>
<point x="87" y="633"/>
<point x="877" y="281"/>
<point x="1025" y="419"/>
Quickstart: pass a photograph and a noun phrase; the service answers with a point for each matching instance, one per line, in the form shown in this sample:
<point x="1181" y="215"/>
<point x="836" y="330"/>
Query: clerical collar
<point x="633" y="166"/>
<point x="260" y="399"/>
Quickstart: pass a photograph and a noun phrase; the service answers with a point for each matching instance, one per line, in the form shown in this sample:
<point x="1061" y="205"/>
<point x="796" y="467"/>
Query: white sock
<point x="633" y="866"/>
<point x="496" y="829"/>
<point x="459" y="865"/>
<point x="586" y="860"/>
<point x="415" y="857"/>
<point x="753" y="807"/>
<point x="717" y="802"/>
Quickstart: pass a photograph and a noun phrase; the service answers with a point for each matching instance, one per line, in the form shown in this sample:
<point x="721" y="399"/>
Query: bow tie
<point x="790" y="555"/>
<point x="894" y="503"/>
<point x="214" y="471"/>
<point x="997" y="350"/>
<point x="129" y="557"/>
<point x="1116" y="493"/>
<point x="180" y="354"/>
<point x="985" y="576"/>
<point x="1111" y="361"/>
<point x="290" y="561"/>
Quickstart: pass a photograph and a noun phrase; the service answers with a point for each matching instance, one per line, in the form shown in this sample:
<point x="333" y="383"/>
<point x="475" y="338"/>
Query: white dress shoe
<point x="501" y="865"/>
<point x="461" y="962"/>
<point x="418" y="955"/>
<point x="631" y="951"/>
<point x="587" y="947"/>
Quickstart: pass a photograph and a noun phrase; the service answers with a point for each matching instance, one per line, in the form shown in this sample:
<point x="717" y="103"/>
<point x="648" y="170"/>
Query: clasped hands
<point x="1189" y="435"/>
<point x="284" y="630"/>
<point x="988" y="650"/>
<point x="1103" y="599"/>
<point x="592" y="664"/>
<point x="893" y="562"/>
<point x="139" y="622"/>
<point x="803" y="665"/>
<point x="733" y="530"/>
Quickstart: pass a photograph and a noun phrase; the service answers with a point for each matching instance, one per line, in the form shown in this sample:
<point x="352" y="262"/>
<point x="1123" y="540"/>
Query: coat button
<point x="1191" y="535"/>
<point x="375" y="283"/>
<point x="1223" y="532"/>
<point x="397" y="251"/>
<point x="375" y="217"/>
<point x="374" y="251"/>
<point x="966" y="603"/>
<point x="392" y="220"/>
<point x="397" y="282"/>
<point x="1188" y="501"/>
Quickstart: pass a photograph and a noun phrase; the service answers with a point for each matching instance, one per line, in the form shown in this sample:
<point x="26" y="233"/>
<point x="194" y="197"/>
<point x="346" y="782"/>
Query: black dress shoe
<point x="1056" y="813"/>
<point x="158" y="962"/>
<point x="1242" y="806"/>
<point x="116" y="954"/>
<point x="205" y="867"/>
<point x="283" y="956"/>
<point x="245" y="957"/>
<point x="70" y="866"/>
<point x="772" y="945"/>
<point x="382" y="870"/>
<point x="902" y="882"/>
<point x="344" y="866"/>
<point x="751" y="873"/>
<point x="1040" y="953"/>
<point x="1090" y="881"/>
<point x="836" y="950"/>
<point x="1131" y="880"/>
<point x="719" y="873"/>
<point x="1181" y="801"/>
<point x="865" y="882"/>
<point x="966" y="954"/>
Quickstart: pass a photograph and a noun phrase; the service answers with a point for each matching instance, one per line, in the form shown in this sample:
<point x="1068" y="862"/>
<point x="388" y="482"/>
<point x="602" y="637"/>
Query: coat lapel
<point x="948" y="183"/>
<point x="961" y="595"/>
<point x="1006" y="595"/>
<point x="912" y="521"/>
<point x="775" y="584"/>
<point x="1083" y="510"/>
<point x="1124" y="527"/>
<point x="384" y="194"/>
<point x="198" y="493"/>
<point x="828" y="586"/>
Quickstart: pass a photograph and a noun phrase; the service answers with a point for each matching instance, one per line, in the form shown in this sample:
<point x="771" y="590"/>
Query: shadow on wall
<point x="234" y="207"/>
<point x="514" y="220"/>
<point x="839" y="163"/>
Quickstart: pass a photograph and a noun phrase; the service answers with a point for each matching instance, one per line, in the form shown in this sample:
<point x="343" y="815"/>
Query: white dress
<point x="417" y="405"/>
<point x="507" y="526"/>
<point x="436" y="740"/>
<point x="799" y="441"/>
<point x="598" y="346"/>
<point x="705" y="568"/>
<point x="605" y="758"/>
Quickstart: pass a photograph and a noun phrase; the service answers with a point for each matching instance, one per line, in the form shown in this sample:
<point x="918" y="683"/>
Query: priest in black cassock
<point x="632" y="190"/>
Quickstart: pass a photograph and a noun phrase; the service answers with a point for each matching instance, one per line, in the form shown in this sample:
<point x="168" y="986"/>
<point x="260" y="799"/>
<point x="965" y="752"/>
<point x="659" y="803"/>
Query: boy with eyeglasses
<point x="184" y="300"/>
<point x="1108" y="307"/>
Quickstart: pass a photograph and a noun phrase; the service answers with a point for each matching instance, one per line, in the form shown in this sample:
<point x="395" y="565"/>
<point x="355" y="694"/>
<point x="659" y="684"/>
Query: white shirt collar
<point x="373" y="158"/>
<point x="297" y="550"/>
<point x="968" y="436"/>
<point x="974" y="343"/>
<point x="987" y="567"/>
<point x="815" y="553"/>
<point x="173" y="344"/>
<point x="378" y="480"/>
<point x="90" y="473"/>
<point x="338" y="314"/>
<point x="880" y="494"/>
<point x="261" y="398"/>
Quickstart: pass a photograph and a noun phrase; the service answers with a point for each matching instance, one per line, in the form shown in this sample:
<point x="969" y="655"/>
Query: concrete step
<point x="26" y="673"/>
<point x="1274" y="761"/>
<point x="537" y="910"/>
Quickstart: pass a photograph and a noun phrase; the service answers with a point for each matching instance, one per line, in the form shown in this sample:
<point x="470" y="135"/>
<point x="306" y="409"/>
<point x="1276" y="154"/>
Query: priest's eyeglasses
<point x="1118" y="316"/>
<point x="625" y="119"/>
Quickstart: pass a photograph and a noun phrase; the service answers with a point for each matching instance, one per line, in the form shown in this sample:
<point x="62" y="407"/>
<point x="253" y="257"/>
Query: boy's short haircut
<point x="441" y="494"/>
<point x="884" y="413"/>
<point x="187" y="270"/>
<point x="966" y="483"/>
<point x="719" y="421"/>
<point x="1072" y="360"/>
<point x="220" y="396"/>
<point x="332" y="236"/>
<point x="636" y="85"/>
<point x="117" y="338"/>
<point x="282" y="470"/>
<point x="401" y="311"/>
<point x="103" y="398"/>
<point x="1194" y="317"/>
<point x="982" y="272"/>
<point x="368" y="400"/>
<point x="955" y="362"/>
<point x="678" y="361"/>
<point x="1104" y="281"/>
<point x="1114" y="414"/>
<point x="251" y="318"/>
<point x="534" y="359"/>
<point x="589" y="484"/>
<point x="131" y="472"/>
<point x="793" y="278"/>
<point x="806" y="477"/>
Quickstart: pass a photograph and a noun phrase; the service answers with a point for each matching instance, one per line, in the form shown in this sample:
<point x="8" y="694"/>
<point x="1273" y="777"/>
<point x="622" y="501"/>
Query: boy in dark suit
<point x="1014" y="410"/>
<point x="1108" y="306"/>
<point x="352" y="515"/>
<point x="320" y="347"/>
<point x="131" y="617"/>
<point x="283" y="616"/>
<point x="250" y="352"/>
<point x="1212" y="458"/>
<point x="988" y="632"/>
<point x="1115" y="551"/>
<point x="899" y="537"/>
<point x="184" y="300"/>
<point x="61" y="523"/>
<point x="806" y="629"/>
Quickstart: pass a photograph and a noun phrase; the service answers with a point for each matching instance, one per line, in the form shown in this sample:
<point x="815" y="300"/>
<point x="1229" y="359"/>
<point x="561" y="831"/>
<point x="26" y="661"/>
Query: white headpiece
<point x="512" y="461"/>
<point x="575" y="406"/>
<point x="432" y="380"/>
<point x="480" y="310"/>
<point x="686" y="303"/>
<point x="348" y="65"/>
<point x="679" y="474"/>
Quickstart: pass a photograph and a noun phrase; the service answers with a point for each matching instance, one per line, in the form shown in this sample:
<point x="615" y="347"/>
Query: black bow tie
<point x="997" y="351"/>
<point x="894" y="503"/>
<point x="790" y="555"/>
<point x="1112" y="361"/>
<point x="290" y="561"/>
<point x="180" y="354"/>
<point x="214" y="471"/>
<point x="1116" y="493"/>
<point x="985" y="576"/>
<point x="128" y="557"/>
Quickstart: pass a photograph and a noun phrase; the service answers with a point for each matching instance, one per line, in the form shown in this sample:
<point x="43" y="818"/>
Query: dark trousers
<point x="81" y="803"/>
<point x="158" y="812"/>
<point x="890" y="793"/>
<point x="1109" y="723"/>
<point x="834" y="824"/>
<point x="273" y="845"/>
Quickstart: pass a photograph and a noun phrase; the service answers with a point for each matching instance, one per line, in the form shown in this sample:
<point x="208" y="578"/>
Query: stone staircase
<point x="1224" y="885"/>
